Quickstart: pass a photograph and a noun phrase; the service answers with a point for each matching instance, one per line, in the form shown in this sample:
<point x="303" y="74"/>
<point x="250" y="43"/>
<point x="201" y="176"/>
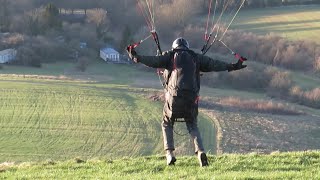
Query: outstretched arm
<point x="154" y="61"/>
<point x="151" y="61"/>
<point x="208" y="64"/>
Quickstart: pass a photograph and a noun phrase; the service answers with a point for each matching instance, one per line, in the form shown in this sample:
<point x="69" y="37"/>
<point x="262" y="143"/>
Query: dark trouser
<point x="167" y="130"/>
<point x="191" y="123"/>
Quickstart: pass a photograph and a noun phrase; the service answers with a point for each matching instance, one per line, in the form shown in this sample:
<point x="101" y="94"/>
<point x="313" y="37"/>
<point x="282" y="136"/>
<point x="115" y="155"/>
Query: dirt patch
<point x="61" y="77"/>
<point x="91" y="78"/>
<point x="5" y="166"/>
<point x="73" y="77"/>
<point x="263" y="133"/>
<point x="258" y="106"/>
<point x="156" y="96"/>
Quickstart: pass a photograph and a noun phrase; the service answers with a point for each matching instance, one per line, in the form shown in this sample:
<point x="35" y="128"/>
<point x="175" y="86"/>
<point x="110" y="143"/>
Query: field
<point x="294" y="165"/>
<point x="106" y="113"/>
<point x="58" y="118"/>
<point x="293" y="22"/>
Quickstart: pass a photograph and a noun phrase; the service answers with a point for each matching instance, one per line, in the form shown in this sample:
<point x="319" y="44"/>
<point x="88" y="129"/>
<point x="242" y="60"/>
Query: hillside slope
<point x="60" y="119"/>
<point x="293" y="22"/>
<point x="111" y="105"/>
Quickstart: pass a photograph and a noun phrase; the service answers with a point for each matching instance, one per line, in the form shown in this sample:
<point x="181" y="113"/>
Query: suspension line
<point x="232" y="19"/>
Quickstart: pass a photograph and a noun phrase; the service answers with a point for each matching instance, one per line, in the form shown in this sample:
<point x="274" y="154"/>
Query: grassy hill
<point x="294" y="165"/>
<point x="55" y="117"/>
<point x="293" y="22"/>
<point x="106" y="112"/>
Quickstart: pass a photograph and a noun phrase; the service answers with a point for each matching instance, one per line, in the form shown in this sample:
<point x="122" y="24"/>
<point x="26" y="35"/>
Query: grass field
<point x="102" y="113"/>
<point x="294" y="165"/>
<point x="62" y="119"/>
<point x="293" y="22"/>
<point x="98" y="70"/>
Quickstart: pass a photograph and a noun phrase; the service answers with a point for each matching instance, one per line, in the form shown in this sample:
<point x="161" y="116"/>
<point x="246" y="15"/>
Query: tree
<point x="33" y="22"/>
<point x="178" y="13"/>
<point x="28" y="57"/>
<point x="99" y="18"/>
<point x="83" y="63"/>
<point x="126" y="38"/>
<point x="4" y="16"/>
<point x="317" y="65"/>
<point x="51" y="18"/>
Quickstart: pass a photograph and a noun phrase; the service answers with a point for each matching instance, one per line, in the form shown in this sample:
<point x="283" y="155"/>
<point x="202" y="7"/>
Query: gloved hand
<point x="238" y="65"/>
<point x="132" y="54"/>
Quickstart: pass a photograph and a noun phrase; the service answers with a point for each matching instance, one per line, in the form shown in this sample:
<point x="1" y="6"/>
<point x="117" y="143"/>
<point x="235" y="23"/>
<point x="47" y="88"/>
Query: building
<point x="83" y="45"/>
<point x="110" y="55"/>
<point x="7" y="55"/>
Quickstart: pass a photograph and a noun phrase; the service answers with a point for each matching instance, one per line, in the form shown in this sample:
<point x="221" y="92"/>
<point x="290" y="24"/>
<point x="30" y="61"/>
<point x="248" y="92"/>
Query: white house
<point x="7" y="55"/>
<point x="109" y="54"/>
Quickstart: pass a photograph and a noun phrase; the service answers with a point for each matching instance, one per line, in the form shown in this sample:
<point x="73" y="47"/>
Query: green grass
<point x="98" y="70"/>
<point x="294" y="165"/>
<point x="63" y="119"/>
<point x="293" y="22"/>
<point x="305" y="81"/>
<point x="108" y="117"/>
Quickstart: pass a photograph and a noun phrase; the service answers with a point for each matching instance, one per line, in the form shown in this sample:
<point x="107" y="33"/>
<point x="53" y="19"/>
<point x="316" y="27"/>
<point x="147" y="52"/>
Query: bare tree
<point x="83" y="63"/>
<point x="99" y="18"/>
<point x="178" y="13"/>
<point x="317" y="65"/>
<point x="32" y="21"/>
<point x="4" y="15"/>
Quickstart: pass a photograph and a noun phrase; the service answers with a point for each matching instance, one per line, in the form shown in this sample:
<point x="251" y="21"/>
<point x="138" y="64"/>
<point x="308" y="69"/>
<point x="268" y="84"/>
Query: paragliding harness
<point x="182" y="85"/>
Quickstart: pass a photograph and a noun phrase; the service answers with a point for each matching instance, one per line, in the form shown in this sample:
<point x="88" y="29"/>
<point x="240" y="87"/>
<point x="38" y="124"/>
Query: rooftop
<point x="109" y="50"/>
<point x="7" y="51"/>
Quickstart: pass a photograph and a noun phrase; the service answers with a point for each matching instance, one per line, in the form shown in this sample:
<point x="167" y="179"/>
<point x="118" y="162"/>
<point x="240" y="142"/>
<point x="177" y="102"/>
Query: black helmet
<point x="180" y="43"/>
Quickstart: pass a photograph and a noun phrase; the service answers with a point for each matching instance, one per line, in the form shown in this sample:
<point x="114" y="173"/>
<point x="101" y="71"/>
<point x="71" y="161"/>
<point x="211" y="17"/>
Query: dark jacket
<point x="206" y="64"/>
<point x="186" y="106"/>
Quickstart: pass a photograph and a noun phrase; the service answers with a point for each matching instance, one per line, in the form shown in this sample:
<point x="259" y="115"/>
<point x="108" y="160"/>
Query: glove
<point x="132" y="54"/>
<point x="238" y="65"/>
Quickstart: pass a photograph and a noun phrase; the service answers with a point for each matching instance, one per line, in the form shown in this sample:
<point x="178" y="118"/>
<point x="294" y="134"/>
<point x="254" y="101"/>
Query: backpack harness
<point x="178" y="81"/>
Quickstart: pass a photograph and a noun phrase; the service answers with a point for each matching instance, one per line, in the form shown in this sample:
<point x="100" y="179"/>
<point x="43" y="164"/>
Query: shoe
<point x="170" y="158"/>
<point x="203" y="160"/>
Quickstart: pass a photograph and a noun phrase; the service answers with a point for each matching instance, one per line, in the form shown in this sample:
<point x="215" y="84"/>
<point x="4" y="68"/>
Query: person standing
<point x="182" y="86"/>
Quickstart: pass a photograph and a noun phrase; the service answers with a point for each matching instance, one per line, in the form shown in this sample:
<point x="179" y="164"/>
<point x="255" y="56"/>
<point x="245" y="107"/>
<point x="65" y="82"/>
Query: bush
<point x="316" y="65"/>
<point x="280" y="84"/>
<point x="28" y="57"/>
<point x="254" y="78"/>
<point x="296" y="94"/>
<point x="183" y="11"/>
<point x="312" y="98"/>
<point x="308" y="98"/>
<point x="259" y="106"/>
<point x="272" y="50"/>
<point x="82" y="64"/>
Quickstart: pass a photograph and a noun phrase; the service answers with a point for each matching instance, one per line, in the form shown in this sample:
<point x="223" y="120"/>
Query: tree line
<point x="118" y="23"/>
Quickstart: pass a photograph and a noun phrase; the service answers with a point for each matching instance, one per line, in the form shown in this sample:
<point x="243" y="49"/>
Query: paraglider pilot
<point x="182" y="85"/>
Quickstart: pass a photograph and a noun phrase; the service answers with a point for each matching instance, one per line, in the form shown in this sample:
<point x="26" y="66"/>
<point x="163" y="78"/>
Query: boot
<point x="203" y="160"/>
<point x="170" y="158"/>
